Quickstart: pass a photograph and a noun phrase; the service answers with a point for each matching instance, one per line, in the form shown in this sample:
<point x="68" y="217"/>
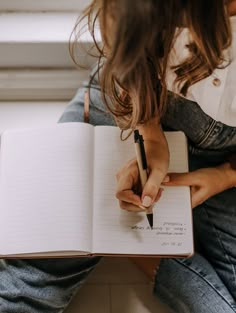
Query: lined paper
<point x="118" y="231"/>
<point x="46" y="189"/>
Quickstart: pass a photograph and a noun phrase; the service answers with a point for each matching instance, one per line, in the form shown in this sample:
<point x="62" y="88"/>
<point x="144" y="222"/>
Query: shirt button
<point x="216" y="82"/>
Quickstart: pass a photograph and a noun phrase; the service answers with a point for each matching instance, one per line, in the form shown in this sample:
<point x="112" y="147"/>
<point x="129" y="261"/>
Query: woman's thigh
<point x="192" y="286"/>
<point x="41" y="286"/>
<point x="214" y="224"/>
<point x="215" y="235"/>
<point x="205" y="282"/>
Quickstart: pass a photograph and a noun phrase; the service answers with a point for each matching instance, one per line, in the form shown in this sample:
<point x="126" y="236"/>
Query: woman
<point x="143" y="52"/>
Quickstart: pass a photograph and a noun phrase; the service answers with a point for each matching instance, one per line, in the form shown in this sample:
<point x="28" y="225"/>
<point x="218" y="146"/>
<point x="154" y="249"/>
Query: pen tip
<point x="136" y="135"/>
<point x="150" y="219"/>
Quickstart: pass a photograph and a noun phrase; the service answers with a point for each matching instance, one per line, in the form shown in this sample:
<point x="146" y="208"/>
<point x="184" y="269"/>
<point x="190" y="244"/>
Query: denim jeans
<point x="203" y="283"/>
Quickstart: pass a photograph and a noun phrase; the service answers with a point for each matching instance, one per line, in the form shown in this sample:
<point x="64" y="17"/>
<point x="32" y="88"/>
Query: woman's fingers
<point x="131" y="207"/>
<point x="192" y="179"/>
<point x="127" y="181"/>
<point x="128" y="196"/>
<point x="180" y="179"/>
<point x="152" y="192"/>
<point x="158" y="196"/>
<point x="128" y="189"/>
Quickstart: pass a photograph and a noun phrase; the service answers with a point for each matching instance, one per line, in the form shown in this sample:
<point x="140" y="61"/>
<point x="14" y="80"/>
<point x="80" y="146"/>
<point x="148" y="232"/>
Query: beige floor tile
<point x="117" y="271"/>
<point x="91" y="299"/>
<point x="135" y="299"/>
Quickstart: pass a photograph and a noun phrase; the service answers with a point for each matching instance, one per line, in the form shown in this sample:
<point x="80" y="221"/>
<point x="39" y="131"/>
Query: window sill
<point x="40" y="85"/>
<point x="39" y="40"/>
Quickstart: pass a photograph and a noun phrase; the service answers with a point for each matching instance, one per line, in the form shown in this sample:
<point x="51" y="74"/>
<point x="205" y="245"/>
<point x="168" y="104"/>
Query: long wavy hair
<point x="137" y="38"/>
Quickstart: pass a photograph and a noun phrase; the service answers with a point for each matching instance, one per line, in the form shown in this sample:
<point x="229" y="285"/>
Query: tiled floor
<point x="116" y="285"/>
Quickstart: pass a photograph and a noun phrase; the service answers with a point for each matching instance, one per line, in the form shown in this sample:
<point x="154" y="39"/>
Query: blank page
<point x="46" y="189"/>
<point x="119" y="231"/>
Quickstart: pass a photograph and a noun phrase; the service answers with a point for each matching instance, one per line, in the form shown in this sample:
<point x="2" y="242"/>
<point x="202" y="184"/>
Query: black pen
<point x="143" y="168"/>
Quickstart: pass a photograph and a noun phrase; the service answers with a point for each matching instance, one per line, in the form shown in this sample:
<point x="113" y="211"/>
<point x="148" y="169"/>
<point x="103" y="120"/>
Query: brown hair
<point x="138" y="36"/>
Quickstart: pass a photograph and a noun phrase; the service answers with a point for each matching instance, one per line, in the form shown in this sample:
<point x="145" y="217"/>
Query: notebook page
<point x="46" y="182"/>
<point x="119" y="231"/>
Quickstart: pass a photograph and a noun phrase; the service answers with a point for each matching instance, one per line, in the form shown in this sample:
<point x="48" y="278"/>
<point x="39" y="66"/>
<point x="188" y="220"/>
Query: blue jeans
<point x="202" y="284"/>
<point x="207" y="281"/>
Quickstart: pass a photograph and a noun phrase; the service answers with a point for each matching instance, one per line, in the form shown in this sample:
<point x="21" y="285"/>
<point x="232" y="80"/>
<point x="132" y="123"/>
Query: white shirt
<point x="215" y="94"/>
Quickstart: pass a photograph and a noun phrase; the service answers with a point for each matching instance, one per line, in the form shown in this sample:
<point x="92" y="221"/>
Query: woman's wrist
<point x="151" y="130"/>
<point x="156" y="146"/>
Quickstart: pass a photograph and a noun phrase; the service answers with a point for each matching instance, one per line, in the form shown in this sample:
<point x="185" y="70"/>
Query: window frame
<point x="43" y="5"/>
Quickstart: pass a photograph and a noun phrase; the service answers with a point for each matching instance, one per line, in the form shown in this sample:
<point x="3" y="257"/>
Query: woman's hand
<point x="204" y="183"/>
<point x="128" y="190"/>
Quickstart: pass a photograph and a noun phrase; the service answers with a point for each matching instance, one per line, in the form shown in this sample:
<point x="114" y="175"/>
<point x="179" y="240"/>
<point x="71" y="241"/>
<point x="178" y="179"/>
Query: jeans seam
<point x="210" y="284"/>
<point x="213" y="123"/>
<point x="92" y="105"/>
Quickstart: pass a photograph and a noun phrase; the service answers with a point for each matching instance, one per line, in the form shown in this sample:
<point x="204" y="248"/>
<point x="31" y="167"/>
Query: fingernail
<point x="147" y="201"/>
<point x="142" y="207"/>
<point x="166" y="179"/>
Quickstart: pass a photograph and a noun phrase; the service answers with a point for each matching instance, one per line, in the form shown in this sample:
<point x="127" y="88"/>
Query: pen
<point x="142" y="166"/>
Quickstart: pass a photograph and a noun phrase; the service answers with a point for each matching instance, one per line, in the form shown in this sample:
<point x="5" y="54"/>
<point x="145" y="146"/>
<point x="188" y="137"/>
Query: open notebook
<point x="57" y="196"/>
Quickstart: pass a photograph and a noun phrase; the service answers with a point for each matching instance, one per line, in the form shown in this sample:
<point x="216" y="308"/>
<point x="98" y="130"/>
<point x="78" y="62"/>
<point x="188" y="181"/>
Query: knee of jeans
<point x="74" y="111"/>
<point x="98" y="113"/>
